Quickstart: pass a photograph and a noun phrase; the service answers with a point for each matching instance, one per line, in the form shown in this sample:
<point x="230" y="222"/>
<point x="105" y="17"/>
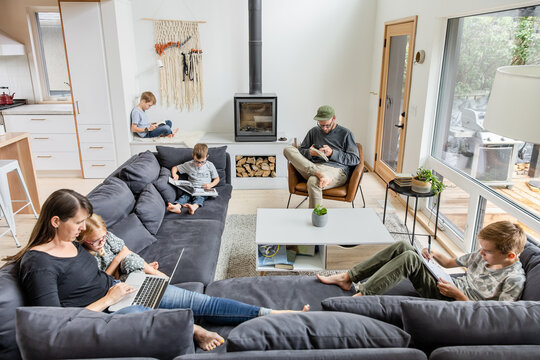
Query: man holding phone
<point x="333" y="141"/>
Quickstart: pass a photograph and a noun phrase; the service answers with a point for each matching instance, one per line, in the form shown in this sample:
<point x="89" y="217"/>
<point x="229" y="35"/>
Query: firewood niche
<point x="255" y="166"/>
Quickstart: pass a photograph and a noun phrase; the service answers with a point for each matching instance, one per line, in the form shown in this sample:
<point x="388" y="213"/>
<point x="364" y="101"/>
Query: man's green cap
<point x="324" y="113"/>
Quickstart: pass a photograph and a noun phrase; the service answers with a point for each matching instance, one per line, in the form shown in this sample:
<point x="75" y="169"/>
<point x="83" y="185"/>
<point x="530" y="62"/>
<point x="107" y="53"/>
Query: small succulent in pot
<point x="319" y="216"/>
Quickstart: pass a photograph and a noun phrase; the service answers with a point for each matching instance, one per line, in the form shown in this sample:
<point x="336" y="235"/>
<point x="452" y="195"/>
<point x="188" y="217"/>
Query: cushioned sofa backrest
<point x="112" y="200"/>
<point x="530" y="259"/>
<point x="11" y="297"/>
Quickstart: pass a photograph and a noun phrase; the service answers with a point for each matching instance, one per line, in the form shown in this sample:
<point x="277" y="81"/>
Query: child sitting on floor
<point x="494" y="272"/>
<point x="111" y="253"/>
<point x="201" y="173"/>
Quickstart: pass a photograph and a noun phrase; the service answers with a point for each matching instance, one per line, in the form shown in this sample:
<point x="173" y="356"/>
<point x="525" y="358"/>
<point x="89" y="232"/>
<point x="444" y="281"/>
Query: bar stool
<point x="7" y="166"/>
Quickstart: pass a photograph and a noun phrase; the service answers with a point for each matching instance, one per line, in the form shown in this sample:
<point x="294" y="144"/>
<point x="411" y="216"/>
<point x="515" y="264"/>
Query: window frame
<point x="40" y="75"/>
<point x="476" y="190"/>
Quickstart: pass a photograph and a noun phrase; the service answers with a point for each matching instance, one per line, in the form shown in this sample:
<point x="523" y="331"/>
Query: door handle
<point x="399" y="126"/>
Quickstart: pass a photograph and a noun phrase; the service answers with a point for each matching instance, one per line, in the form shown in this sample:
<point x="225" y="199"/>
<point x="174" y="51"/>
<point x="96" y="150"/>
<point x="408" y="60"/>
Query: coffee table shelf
<point x="356" y="228"/>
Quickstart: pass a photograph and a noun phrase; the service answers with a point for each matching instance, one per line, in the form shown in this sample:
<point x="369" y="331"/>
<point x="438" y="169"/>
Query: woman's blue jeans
<point x="161" y="130"/>
<point x="208" y="308"/>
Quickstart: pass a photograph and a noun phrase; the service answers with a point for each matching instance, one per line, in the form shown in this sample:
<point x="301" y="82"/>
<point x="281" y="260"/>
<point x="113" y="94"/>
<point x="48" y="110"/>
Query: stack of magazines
<point x="403" y="179"/>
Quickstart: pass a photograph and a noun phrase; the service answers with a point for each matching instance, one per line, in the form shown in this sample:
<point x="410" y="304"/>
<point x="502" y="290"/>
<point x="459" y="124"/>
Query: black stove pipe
<point x="255" y="47"/>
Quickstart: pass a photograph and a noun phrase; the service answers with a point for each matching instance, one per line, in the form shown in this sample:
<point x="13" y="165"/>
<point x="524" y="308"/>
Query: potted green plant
<point x="319" y="217"/>
<point x="425" y="181"/>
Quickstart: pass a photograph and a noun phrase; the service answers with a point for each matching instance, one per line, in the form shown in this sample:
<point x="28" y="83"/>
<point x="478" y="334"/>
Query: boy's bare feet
<point x="207" y="340"/>
<point x="192" y="208"/>
<point x="175" y="208"/>
<point x="173" y="133"/>
<point x="306" y="308"/>
<point x="324" y="181"/>
<point x="342" y="280"/>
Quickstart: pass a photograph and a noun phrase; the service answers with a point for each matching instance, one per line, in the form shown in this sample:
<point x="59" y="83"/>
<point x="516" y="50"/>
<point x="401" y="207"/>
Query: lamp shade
<point x="514" y="104"/>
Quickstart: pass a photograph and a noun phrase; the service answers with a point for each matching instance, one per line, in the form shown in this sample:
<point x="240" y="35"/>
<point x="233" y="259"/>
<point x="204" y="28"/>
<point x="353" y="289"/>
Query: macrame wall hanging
<point x="178" y="46"/>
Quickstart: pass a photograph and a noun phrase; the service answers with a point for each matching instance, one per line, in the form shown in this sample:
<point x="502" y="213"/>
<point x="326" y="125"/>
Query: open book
<point x="434" y="268"/>
<point x="319" y="153"/>
<point x="188" y="187"/>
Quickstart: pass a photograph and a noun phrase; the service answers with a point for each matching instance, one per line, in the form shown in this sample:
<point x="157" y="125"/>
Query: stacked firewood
<point x="255" y="166"/>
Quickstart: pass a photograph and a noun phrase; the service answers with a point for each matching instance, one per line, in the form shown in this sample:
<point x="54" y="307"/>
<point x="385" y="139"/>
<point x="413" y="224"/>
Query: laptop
<point x="434" y="268"/>
<point x="150" y="289"/>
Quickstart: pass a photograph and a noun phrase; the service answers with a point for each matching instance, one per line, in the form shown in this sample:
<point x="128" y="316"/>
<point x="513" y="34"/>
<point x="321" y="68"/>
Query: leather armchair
<point x="346" y="192"/>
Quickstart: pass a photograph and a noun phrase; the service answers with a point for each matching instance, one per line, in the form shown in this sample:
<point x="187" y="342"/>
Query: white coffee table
<point x="351" y="235"/>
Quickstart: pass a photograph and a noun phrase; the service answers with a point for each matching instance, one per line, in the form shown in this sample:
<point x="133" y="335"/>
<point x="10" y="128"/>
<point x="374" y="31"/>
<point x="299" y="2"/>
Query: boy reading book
<point x="201" y="173"/>
<point x="494" y="272"/>
<point x="140" y="124"/>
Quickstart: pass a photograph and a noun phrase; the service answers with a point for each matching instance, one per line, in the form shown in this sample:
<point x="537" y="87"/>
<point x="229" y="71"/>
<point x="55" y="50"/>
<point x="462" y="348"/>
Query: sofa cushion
<point x="11" y="298"/>
<point x="133" y="232"/>
<point x="142" y="170"/>
<point x="80" y="333"/>
<point x="380" y="307"/>
<point x="485" y="352"/>
<point x="171" y="156"/>
<point x="166" y="190"/>
<point x="112" y="200"/>
<point x="530" y="258"/>
<point x="314" y="330"/>
<point x="434" y="324"/>
<point x="150" y="208"/>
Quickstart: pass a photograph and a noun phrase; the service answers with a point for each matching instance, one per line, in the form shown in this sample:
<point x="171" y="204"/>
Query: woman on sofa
<point x="55" y="270"/>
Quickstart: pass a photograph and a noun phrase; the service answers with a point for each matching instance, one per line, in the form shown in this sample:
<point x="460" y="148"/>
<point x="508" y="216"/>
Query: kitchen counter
<point x="40" y="109"/>
<point x="16" y="146"/>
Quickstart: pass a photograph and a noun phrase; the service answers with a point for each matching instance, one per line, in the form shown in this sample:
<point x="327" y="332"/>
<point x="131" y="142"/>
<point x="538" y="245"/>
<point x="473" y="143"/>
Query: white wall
<point x="430" y="32"/>
<point x="315" y="52"/>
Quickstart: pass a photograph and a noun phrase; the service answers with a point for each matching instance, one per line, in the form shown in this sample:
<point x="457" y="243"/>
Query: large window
<point x="50" y="55"/>
<point x="475" y="47"/>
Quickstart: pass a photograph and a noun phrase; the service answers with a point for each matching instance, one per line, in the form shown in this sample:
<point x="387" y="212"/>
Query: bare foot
<point x="207" y="340"/>
<point x="173" y="133"/>
<point x="358" y="294"/>
<point x="342" y="280"/>
<point x="324" y="181"/>
<point x="175" y="208"/>
<point x="192" y="208"/>
<point x="306" y="308"/>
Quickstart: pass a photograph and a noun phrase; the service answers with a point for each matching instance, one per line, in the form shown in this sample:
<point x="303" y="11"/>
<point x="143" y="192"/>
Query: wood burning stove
<point x="255" y="117"/>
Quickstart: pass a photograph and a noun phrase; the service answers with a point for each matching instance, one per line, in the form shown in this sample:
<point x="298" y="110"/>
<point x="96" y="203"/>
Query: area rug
<point x="237" y="253"/>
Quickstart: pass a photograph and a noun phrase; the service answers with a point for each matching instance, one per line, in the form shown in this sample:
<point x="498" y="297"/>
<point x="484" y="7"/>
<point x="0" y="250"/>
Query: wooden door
<point x="398" y="54"/>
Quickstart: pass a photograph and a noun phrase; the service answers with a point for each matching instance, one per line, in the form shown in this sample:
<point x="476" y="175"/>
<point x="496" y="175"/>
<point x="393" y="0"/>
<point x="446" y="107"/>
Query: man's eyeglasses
<point x="200" y="162"/>
<point x="327" y="125"/>
<point x="97" y="241"/>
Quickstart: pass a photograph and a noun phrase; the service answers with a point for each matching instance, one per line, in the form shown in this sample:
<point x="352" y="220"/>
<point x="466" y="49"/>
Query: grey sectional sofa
<point x="398" y="325"/>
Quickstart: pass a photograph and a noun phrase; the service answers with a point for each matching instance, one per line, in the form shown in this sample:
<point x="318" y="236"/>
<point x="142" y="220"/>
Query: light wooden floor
<point x="242" y="202"/>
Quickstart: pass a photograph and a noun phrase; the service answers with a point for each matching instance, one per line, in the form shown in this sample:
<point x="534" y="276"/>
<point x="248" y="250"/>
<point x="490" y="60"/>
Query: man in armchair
<point x="325" y="155"/>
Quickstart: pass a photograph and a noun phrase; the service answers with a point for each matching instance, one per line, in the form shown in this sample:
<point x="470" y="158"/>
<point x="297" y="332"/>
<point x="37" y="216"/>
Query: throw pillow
<point x="171" y="156"/>
<point x="530" y="258"/>
<point x="142" y="170"/>
<point x="133" y="232"/>
<point x="150" y="208"/>
<point x="69" y="333"/>
<point x="434" y="324"/>
<point x="167" y="191"/>
<point x="380" y="307"/>
<point x="314" y="330"/>
<point x="112" y="200"/>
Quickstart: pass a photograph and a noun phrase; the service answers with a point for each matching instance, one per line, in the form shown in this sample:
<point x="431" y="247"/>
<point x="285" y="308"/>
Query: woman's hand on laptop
<point x="118" y="292"/>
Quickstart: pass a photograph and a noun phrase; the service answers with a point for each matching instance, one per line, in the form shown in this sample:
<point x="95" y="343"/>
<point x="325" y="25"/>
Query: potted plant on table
<point x="425" y="181"/>
<point x="319" y="217"/>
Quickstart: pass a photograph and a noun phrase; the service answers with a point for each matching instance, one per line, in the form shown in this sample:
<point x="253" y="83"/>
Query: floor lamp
<point x="514" y="106"/>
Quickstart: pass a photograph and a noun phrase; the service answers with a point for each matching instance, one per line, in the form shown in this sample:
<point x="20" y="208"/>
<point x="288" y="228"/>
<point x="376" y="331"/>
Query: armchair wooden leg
<point x="362" y="193"/>
<point x="288" y="202"/>
<point x="303" y="201"/>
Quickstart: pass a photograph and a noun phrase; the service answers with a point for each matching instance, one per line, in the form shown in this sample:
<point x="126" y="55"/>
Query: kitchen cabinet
<point x="52" y="134"/>
<point x="83" y="36"/>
